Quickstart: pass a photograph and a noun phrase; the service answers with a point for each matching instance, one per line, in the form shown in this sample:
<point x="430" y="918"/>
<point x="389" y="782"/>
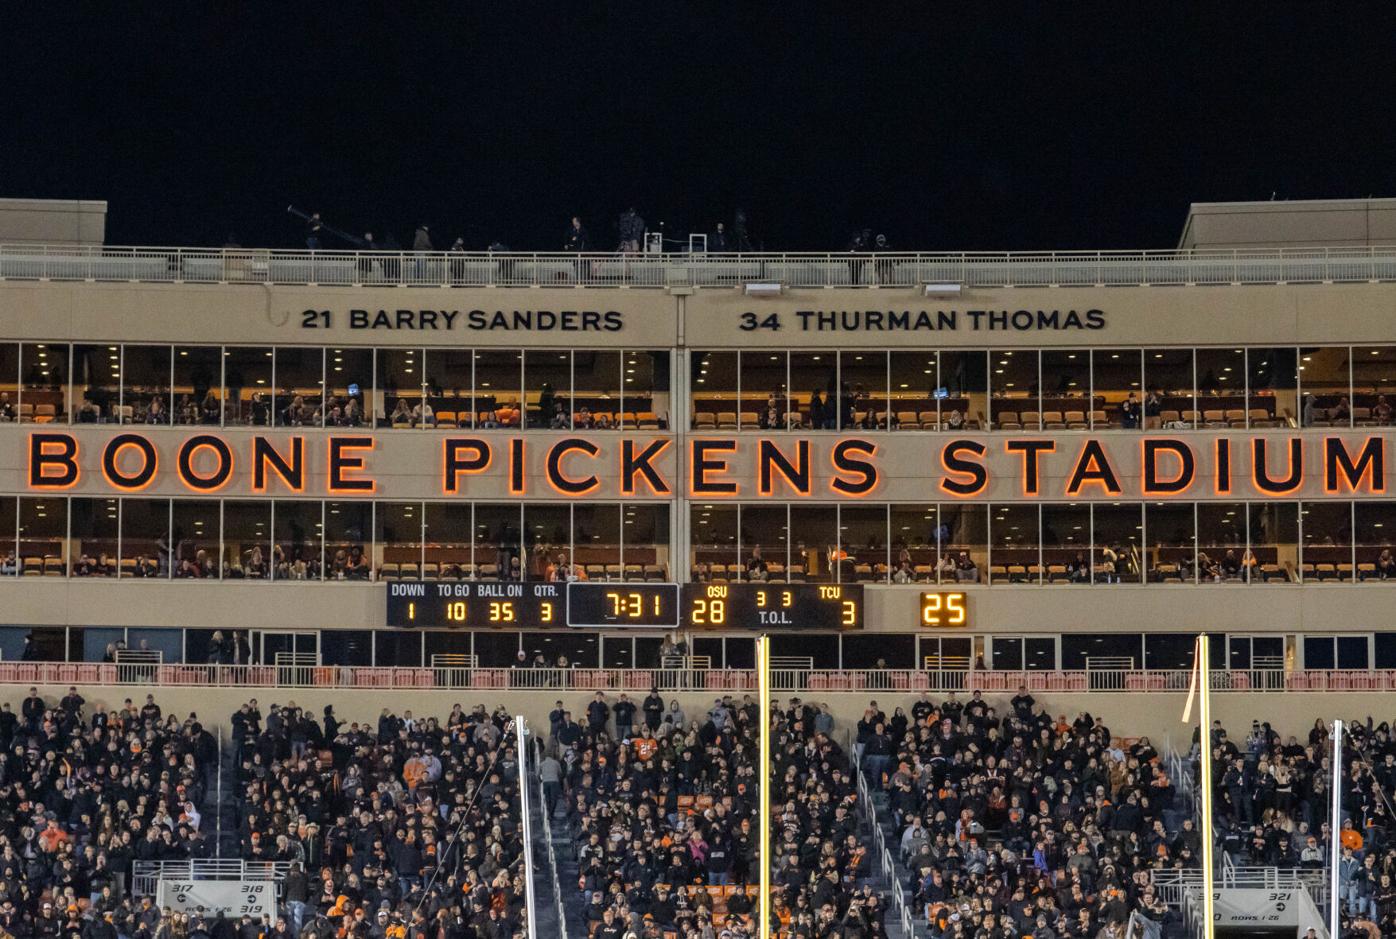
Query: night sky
<point x="946" y="126"/>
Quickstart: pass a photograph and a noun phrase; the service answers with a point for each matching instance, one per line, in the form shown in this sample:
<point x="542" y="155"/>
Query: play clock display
<point x="773" y="606"/>
<point x="475" y="605"/>
<point x="944" y="608"/>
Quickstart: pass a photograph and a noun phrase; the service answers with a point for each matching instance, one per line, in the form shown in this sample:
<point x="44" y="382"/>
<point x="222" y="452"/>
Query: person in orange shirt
<point x="1350" y="837"/>
<point x="52" y="837"/>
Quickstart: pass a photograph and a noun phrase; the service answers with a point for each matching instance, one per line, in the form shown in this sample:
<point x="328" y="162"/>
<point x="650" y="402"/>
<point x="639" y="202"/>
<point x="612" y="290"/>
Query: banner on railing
<point x="233" y="898"/>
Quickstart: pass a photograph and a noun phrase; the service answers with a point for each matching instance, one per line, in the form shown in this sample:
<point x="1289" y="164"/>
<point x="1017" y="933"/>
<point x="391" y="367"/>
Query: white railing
<point x="1175" y="885"/>
<point x="909" y="681"/>
<point x="831" y="269"/>
<point x="887" y="864"/>
<point x="145" y="875"/>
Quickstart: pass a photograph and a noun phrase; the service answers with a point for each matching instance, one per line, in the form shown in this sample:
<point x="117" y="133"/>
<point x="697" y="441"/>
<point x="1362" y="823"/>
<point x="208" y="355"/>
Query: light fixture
<point x="942" y="290"/>
<point x="763" y="289"/>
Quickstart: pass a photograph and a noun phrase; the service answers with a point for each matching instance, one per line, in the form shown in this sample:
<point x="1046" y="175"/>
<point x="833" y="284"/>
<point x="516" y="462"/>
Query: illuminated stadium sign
<point x="1267" y="465"/>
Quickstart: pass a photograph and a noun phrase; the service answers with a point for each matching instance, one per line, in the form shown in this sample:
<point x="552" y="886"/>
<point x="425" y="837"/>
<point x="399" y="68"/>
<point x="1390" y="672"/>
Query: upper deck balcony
<point x="1183" y="267"/>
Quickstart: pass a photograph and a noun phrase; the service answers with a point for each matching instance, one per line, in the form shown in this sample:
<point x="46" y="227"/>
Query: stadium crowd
<point x="1273" y="798"/>
<point x="1022" y="824"/>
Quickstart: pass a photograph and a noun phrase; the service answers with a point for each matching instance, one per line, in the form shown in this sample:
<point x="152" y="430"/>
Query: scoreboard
<point x="773" y="606"/>
<point x="476" y="604"/>
<point x="588" y="605"/>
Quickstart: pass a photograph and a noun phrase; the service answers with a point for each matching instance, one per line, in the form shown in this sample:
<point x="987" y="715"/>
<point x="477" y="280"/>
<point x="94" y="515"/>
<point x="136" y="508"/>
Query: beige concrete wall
<point x="712" y="318"/>
<point x="1002" y="609"/>
<point x="1301" y="224"/>
<point x="1156" y="715"/>
<point x="53" y="221"/>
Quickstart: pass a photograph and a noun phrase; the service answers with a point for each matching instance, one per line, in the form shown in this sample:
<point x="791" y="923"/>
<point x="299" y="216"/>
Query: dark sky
<point x="946" y="126"/>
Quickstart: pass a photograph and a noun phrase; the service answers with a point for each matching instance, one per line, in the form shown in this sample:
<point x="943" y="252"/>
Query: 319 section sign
<point x="774" y="606"/>
<point x="475" y="605"/>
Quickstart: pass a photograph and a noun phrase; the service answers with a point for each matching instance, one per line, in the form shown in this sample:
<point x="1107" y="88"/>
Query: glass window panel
<point x="1007" y="653"/>
<point x="348" y="531"/>
<point x="145" y="382"/>
<point x="646" y="387"/>
<point x="713" y="377"/>
<point x="577" y="649"/>
<point x="646" y="541"/>
<point x="964" y="539"/>
<point x="1221" y="387"/>
<point x="597" y="392"/>
<point x="765" y="545"/>
<point x="1376" y="531"/>
<point x="1116" y="376"/>
<point x="863" y="390"/>
<point x="1170" y="398"/>
<point x="547" y="536"/>
<point x="740" y="652"/>
<point x="1325" y="380"/>
<point x="1320" y="652"/>
<point x="1014" y="552"/>
<point x="1327" y="528"/>
<point x="449" y="374"/>
<point x="548" y="388"/>
<point x="1171" y="651"/>
<point x="447" y="642"/>
<point x="97" y="385"/>
<point x="299" y="538"/>
<point x="448" y="526"/>
<point x="496" y="650"/>
<point x="95" y="526"/>
<point x="198" y="384"/>
<point x="44" y="396"/>
<point x="879" y="650"/>
<point x="145" y="538"/>
<point x="863" y="537"/>
<point x="398" y="539"/>
<point x="43" y="527"/>
<point x="1385" y="656"/>
<point x="1374" y="385"/>
<point x="1274" y="542"/>
<point x="915" y="550"/>
<point x="647" y="651"/>
<point x="349" y="383"/>
<point x="498" y="387"/>
<point x="1066" y="543"/>
<point x="822" y="649"/>
<point x="1118" y="542"/>
<point x="247" y="384"/>
<point x="1352" y="652"/>
<point x="1066" y="386"/>
<point x="1273" y="383"/>
<point x="399" y="388"/>
<point x="814" y="386"/>
<point x="300" y="386"/>
<point x="9" y="518"/>
<point x="1039" y="653"/>
<point x="246" y="540"/>
<point x="1016" y="385"/>
<point x="764" y="397"/>
<point x="168" y="642"/>
<point x="498" y="541"/>
<point x="397" y="649"/>
<point x="618" y="651"/>
<point x="195" y="538"/>
<point x="596" y="537"/>
<point x="1171" y="530"/>
<point x="1221" y="541"/>
<point x="9" y="382"/>
<point x="1080" y="650"/>
<point x="814" y="539"/>
<point x="713" y="541"/>
<point x="709" y="648"/>
<point x="914" y="378"/>
<point x="346" y="647"/>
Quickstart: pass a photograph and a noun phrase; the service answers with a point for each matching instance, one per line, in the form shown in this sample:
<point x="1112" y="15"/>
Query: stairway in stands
<point x="899" y="874"/>
<point x="222" y="806"/>
<point x="545" y="905"/>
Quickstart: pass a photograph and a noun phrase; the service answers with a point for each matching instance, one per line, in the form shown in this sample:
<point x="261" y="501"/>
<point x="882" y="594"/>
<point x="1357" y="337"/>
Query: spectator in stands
<point x="632" y="231"/>
<point x="576" y="237"/>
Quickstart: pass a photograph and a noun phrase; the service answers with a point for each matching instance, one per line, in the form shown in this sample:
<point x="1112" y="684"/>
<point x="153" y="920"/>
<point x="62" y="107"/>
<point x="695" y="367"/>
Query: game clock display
<point x="475" y="605"/>
<point x="774" y="606"/>
<point x="602" y="605"/>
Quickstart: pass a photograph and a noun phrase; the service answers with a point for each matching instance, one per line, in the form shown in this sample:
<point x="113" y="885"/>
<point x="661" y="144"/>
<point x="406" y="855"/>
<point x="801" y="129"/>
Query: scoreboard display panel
<point x="944" y="608"/>
<point x="773" y="606"/>
<point x="602" y="605"/>
<point x="476" y="605"/>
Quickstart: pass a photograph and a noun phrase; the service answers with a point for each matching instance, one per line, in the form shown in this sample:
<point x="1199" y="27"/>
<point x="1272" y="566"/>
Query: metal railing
<point x="1135" y="681"/>
<point x="552" y="863"/>
<point x="830" y="269"/>
<point x="886" y="862"/>
<point x="145" y="875"/>
<point x="1174" y="885"/>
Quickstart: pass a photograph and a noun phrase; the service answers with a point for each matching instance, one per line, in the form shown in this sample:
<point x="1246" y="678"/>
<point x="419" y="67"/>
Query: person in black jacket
<point x="576" y="237"/>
